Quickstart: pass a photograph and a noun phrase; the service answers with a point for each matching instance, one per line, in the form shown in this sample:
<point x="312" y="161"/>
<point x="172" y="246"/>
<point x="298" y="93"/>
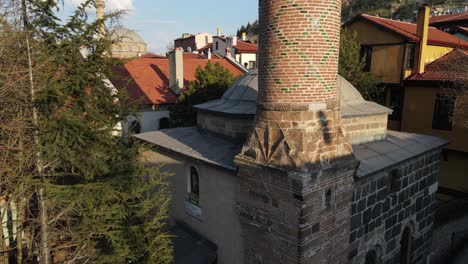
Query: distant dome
<point x="127" y="35"/>
<point x="130" y="44"/>
<point x="241" y="99"/>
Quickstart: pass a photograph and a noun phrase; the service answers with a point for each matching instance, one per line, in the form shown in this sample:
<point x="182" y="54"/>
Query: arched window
<point x="405" y="246"/>
<point x="217" y="46"/>
<point x="371" y="257"/>
<point x="164" y="123"/>
<point x="194" y="182"/>
<point x="134" y="127"/>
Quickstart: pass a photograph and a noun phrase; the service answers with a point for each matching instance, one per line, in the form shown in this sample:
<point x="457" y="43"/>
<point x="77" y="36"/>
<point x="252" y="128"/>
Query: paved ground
<point x="449" y="221"/>
<point x="462" y="257"/>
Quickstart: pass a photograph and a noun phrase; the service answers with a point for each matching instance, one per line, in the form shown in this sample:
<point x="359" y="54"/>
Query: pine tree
<point x="101" y="204"/>
<point x="210" y="84"/>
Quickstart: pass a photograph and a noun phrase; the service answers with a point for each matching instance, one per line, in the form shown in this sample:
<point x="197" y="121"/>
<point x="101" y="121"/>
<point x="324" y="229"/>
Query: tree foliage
<point x="249" y="29"/>
<point x="102" y="204"/>
<point x="210" y="84"/>
<point x="351" y="66"/>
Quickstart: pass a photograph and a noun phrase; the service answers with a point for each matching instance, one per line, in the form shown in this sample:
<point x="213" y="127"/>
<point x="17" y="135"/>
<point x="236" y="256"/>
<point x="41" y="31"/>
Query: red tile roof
<point x="448" y="18"/>
<point x="246" y="47"/>
<point x="207" y="46"/>
<point x="147" y="78"/>
<point x="408" y="30"/>
<point x="152" y="55"/>
<point x="451" y="67"/>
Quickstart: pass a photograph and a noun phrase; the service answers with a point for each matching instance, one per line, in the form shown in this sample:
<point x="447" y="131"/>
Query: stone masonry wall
<point x="387" y="203"/>
<point x="294" y="218"/>
<point x="364" y="129"/>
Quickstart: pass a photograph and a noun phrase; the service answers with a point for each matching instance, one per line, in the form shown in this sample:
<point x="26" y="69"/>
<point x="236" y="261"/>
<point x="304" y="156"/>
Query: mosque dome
<point x="131" y="44"/>
<point x="127" y="35"/>
<point x="241" y="98"/>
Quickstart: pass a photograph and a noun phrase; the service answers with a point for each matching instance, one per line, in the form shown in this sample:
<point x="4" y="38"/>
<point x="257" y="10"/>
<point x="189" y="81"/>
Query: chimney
<point x="244" y="36"/>
<point x="230" y="43"/>
<point x="422" y="31"/>
<point x="208" y="55"/>
<point x="296" y="167"/>
<point x="100" y="6"/>
<point x="218" y="32"/>
<point x="176" y="65"/>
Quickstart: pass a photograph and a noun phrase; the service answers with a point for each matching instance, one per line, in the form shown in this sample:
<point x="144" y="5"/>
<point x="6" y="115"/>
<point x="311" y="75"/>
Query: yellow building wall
<point x="417" y="118"/>
<point x="418" y="113"/>
<point x="389" y="57"/>
<point x="435" y="52"/>
<point x="368" y="34"/>
<point x="454" y="171"/>
<point x="386" y="64"/>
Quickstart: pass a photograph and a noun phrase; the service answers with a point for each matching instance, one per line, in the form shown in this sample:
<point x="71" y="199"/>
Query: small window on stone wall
<point x="395" y="183"/>
<point x="328" y="198"/>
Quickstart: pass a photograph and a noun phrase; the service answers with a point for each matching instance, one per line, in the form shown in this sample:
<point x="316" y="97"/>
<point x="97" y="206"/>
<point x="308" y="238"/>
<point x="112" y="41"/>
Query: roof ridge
<point x="384" y="20"/>
<point x="449" y="16"/>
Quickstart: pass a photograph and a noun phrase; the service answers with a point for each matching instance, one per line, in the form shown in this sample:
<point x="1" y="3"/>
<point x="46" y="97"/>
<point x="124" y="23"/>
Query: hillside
<point x="395" y="9"/>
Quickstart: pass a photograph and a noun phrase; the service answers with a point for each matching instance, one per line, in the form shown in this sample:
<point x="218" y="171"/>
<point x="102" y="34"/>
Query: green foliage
<point x="351" y="66"/>
<point x="104" y="206"/>
<point x="250" y="29"/>
<point x="210" y="84"/>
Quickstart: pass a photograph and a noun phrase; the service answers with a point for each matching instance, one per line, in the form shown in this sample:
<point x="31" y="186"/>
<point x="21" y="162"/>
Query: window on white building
<point x="193" y="186"/>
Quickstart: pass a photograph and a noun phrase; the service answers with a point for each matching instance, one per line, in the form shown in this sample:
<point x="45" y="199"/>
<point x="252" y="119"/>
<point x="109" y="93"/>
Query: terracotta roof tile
<point x="147" y="78"/>
<point x="448" y="18"/>
<point x="152" y="55"/>
<point x="246" y="47"/>
<point x="189" y="55"/>
<point x="447" y="68"/>
<point x="408" y="30"/>
<point x="207" y="46"/>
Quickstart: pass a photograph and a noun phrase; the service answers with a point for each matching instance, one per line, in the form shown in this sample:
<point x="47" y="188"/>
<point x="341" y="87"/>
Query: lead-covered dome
<point x="131" y="44"/>
<point x="241" y="98"/>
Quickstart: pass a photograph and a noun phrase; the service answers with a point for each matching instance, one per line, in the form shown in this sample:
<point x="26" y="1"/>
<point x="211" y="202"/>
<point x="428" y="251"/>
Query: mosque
<point x="292" y="165"/>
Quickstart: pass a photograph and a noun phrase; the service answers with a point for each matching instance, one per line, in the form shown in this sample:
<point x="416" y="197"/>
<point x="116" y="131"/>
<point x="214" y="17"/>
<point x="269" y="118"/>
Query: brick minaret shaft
<point x="296" y="168"/>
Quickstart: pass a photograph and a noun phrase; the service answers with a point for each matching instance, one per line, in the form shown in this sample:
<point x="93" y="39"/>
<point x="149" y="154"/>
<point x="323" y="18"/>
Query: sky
<point x="159" y="22"/>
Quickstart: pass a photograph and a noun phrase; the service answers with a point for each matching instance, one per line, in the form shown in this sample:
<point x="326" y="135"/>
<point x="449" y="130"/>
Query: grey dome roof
<point x="128" y="36"/>
<point x="241" y="99"/>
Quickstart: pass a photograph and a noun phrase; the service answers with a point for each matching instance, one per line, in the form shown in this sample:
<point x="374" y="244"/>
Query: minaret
<point x="296" y="168"/>
<point x="100" y="6"/>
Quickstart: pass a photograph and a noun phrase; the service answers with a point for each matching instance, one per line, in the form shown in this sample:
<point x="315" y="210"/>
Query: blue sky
<point x="159" y="22"/>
